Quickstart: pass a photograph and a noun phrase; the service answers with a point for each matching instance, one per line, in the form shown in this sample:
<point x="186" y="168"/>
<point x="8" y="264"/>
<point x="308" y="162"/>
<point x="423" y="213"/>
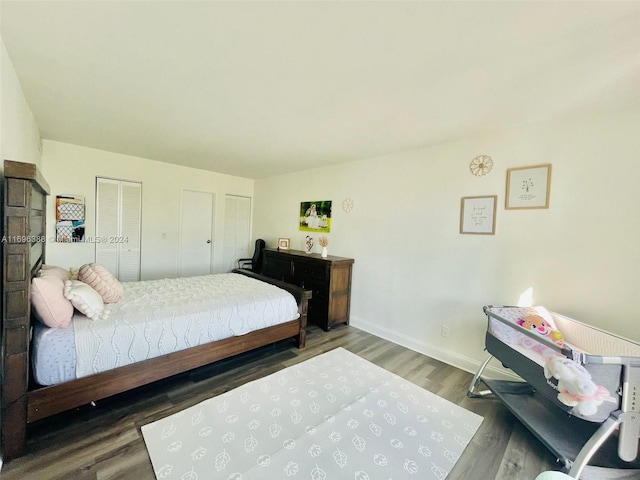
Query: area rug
<point x="334" y="416"/>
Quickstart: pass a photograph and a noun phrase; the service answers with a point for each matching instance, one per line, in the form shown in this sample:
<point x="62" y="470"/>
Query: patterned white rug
<point x="334" y="416"/>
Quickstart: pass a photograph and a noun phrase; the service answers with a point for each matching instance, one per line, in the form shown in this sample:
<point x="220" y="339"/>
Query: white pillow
<point x="85" y="299"/>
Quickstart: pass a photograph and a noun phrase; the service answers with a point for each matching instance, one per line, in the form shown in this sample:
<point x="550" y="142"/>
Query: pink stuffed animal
<point x="539" y="325"/>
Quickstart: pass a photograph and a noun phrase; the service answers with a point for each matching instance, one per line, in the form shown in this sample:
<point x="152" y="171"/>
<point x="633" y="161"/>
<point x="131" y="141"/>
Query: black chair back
<point x="256" y="260"/>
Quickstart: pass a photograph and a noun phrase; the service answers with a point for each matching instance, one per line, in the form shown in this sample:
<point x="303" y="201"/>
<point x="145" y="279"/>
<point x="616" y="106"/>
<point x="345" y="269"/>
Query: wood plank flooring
<point x="104" y="442"/>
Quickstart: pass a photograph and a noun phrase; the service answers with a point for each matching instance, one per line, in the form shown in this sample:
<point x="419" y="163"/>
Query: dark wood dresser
<point x="328" y="278"/>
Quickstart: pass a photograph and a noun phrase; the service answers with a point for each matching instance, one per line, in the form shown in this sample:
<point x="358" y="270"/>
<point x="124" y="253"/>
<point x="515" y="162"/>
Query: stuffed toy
<point x="539" y="325"/>
<point x="575" y="387"/>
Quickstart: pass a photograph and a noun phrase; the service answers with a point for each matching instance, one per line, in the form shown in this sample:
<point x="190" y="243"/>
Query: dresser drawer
<point x="319" y="288"/>
<point x="277" y="267"/>
<point x="310" y="270"/>
<point x="318" y="313"/>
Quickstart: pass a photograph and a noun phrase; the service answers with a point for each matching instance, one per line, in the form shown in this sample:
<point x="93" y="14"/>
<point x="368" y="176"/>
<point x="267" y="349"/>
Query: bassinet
<point x="581" y="389"/>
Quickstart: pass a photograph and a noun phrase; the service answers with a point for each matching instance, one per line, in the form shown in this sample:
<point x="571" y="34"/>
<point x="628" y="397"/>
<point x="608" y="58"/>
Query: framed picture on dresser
<point x="283" y="243"/>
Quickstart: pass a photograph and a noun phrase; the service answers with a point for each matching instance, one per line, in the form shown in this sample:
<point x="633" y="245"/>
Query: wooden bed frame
<point x="23" y="251"/>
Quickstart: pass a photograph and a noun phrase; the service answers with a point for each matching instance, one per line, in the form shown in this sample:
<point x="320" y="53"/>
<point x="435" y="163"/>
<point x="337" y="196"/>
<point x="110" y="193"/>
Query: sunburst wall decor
<point x="481" y="165"/>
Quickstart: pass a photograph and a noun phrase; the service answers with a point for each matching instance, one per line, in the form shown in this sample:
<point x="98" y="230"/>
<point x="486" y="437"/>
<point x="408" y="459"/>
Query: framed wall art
<point x="528" y="187"/>
<point x="70" y="218"/>
<point x="315" y="216"/>
<point x="478" y="215"/>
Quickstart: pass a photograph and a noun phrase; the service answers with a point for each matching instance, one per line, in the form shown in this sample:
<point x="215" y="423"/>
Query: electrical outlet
<point x="444" y="331"/>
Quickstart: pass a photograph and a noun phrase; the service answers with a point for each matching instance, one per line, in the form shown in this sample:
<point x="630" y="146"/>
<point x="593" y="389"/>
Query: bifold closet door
<point x="118" y="226"/>
<point x="237" y="231"/>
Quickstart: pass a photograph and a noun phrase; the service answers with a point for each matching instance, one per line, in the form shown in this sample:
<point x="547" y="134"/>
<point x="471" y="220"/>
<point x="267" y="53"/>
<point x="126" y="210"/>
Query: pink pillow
<point x="101" y="280"/>
<point x="48" y="302"/>
<point x="53" y="271"/>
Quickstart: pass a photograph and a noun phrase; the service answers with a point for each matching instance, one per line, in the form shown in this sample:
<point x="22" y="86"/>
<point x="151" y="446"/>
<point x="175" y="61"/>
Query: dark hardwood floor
<point x="104" y="442"/>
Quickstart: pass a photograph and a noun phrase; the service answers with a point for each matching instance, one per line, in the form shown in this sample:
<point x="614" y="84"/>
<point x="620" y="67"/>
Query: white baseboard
<point x="451" y="358"/>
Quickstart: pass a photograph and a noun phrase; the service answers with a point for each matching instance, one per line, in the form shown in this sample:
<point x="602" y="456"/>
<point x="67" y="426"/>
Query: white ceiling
<point x="256" y="89"/>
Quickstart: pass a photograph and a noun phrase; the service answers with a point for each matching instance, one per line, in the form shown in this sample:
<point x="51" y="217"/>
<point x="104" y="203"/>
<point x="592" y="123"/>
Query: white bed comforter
<point x="157" y="317"/>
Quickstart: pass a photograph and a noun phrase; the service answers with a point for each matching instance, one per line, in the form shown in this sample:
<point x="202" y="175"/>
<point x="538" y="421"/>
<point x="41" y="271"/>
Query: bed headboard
<point x="23" y="249"/>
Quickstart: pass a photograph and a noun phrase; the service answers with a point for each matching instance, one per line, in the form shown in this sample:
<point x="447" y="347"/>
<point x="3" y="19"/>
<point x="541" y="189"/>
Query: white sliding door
<point x="237" y="231"/>
<point x="118" y="226"/>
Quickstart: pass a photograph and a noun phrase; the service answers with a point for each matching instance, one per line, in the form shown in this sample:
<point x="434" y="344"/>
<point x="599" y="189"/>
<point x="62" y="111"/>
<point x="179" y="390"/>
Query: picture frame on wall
<point x="315" y="216"/>
<point x="478" y="215"/>
<point x="284" y="243"/>
<point x="70" y="214"/>
<point x="528" y="187"/>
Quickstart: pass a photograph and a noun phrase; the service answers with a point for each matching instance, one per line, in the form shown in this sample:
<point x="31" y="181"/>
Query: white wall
<point x="414" y="272"/>
<point x="19" y="134"/>
<point x="72" y="170"/>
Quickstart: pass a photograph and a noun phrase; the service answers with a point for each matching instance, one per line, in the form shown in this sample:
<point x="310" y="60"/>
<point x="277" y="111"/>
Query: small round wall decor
<point x="347" y="205"/>
<point x="481" y="165"/>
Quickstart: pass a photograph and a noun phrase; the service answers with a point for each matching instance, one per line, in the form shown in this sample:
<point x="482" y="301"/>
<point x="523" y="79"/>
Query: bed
<point x="581" y="391"/>
<point x="23" y="398"/>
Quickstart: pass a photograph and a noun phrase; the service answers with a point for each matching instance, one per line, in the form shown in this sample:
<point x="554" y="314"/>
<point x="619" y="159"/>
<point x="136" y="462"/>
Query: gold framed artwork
<point x="528" y="187"/>
<point x="283" y="243"/>
<point x="478" y="215"/>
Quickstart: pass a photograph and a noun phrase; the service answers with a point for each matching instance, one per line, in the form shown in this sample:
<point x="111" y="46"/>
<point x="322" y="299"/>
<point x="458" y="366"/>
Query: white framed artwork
<point x="528" y="187"/>
<point x="478" y="215"/>
<point x="283" y="243"/>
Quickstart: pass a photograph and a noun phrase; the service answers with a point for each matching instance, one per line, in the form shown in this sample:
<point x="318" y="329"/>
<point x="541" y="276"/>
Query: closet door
<point x="237" y="231"/>
<point x="107" y="220"/>
<point x="130" y="225"/>
<point x="118" y="225"/>
<point x="196" y="233"/>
